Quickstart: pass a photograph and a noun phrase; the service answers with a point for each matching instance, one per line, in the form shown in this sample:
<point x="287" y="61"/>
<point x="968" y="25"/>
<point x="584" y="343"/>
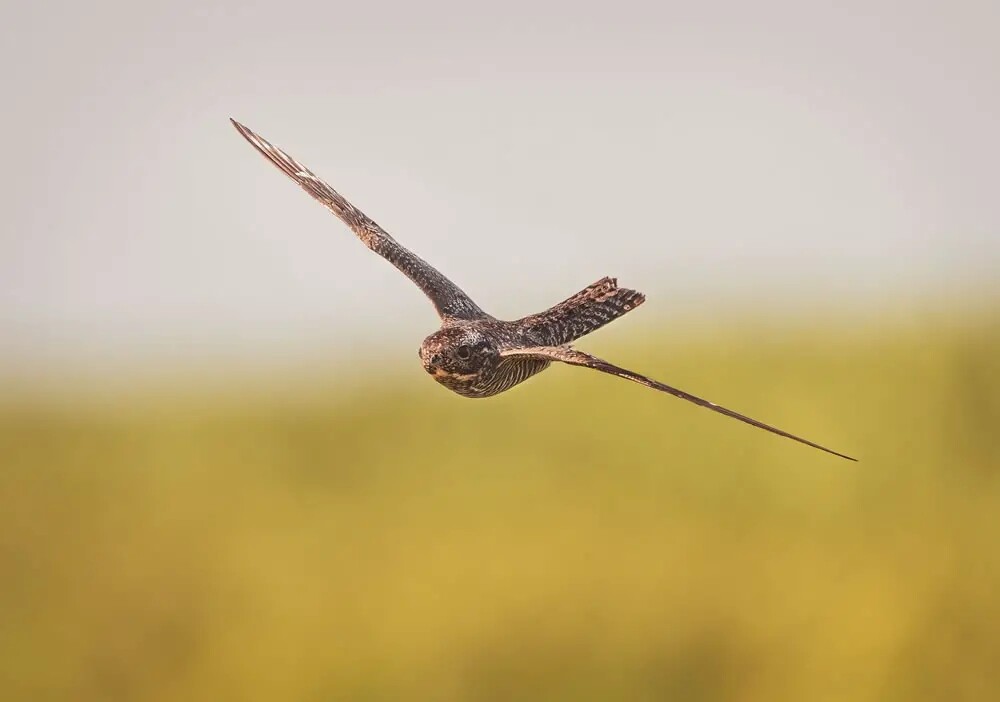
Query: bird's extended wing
<point x="579" y="358"/>
<point x="448" y="298"/>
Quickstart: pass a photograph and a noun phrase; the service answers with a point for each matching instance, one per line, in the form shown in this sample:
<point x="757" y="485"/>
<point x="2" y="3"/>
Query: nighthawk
<point x="473" y="353"/>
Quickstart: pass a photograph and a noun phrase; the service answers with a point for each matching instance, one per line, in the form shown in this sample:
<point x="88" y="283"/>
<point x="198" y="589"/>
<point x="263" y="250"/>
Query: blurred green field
<point x="579" y="538"/>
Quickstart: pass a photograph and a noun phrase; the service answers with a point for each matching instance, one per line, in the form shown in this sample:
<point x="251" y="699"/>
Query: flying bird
<point x="475" y="354"/>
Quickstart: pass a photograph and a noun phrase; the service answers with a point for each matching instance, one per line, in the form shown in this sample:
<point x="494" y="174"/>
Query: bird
<point x="475" y="354"/>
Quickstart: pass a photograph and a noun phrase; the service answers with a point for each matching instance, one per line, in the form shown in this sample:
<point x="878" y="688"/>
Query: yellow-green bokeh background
<point x="579" y="538"/>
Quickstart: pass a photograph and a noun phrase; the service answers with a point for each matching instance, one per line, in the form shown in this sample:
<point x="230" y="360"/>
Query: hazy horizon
<point x="711" y="156"/>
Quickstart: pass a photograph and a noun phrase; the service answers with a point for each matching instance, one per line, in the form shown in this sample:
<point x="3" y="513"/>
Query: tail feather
<point x="586" y="311"/>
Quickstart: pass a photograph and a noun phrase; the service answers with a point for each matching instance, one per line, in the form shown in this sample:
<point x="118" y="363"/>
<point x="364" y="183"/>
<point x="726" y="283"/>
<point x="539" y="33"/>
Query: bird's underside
<point x="475" y="354"/>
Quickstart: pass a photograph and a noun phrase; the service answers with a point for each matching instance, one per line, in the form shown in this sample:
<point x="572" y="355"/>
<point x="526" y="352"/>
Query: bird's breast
<point x="489" y="382"/>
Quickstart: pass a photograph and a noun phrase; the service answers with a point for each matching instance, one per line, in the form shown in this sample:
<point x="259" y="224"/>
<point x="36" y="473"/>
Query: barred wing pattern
<point x="449" y="300"/>
<point x="579" y="358"/>
<point x="586" y="311"/>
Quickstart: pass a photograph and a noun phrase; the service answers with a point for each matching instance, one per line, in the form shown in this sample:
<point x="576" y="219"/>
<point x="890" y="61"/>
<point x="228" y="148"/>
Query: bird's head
<point x="457" y="354"/>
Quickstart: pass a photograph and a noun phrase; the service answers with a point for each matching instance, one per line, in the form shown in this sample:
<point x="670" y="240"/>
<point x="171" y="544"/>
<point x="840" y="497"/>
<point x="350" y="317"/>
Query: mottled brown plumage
<point x="473" y="353"/>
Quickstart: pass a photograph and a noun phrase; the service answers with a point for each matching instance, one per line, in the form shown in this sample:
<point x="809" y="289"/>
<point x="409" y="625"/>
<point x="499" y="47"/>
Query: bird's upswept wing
<point x="579" y="358"/>
<point x="448" y="298"/>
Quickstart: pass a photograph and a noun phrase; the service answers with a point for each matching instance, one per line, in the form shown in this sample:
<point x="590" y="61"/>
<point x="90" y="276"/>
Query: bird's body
<point x="493" y="364"/>
<point x="466" y="357"/>
<point x="473" y="353"/>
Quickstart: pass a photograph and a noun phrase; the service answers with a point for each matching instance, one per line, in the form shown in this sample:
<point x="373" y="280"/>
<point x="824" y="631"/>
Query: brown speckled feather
<point x="585" y="312"/>
<point x="579" y="358"/>
<point x="449" y="300"/>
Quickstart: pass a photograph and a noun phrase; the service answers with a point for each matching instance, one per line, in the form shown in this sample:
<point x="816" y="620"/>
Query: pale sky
<point x="783" y="151"/>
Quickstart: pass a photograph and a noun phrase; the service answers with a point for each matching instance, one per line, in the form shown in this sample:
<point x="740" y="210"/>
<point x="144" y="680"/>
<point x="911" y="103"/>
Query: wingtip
<point x="242" y="129"/>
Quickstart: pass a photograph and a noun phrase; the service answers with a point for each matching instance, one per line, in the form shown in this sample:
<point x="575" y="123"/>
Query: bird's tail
<point x="585" y="312"/>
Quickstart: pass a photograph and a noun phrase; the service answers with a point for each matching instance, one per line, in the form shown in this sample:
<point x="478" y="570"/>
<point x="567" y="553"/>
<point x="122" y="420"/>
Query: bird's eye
<point x="463" y="352"/>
